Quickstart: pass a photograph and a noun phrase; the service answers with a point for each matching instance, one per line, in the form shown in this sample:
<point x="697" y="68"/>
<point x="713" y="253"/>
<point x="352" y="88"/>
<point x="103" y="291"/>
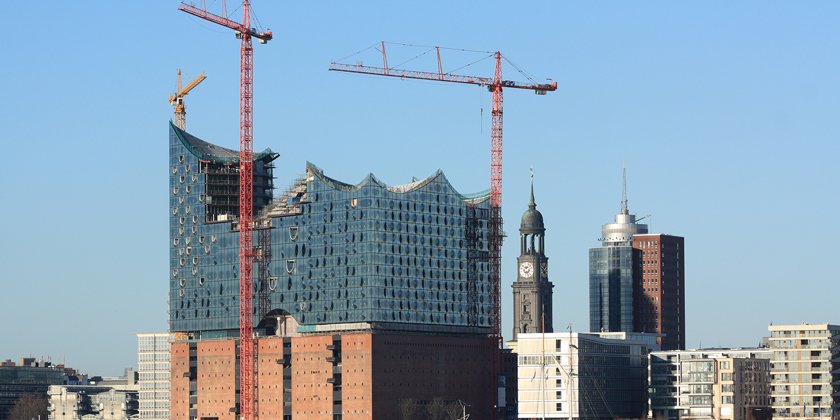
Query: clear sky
<point x="725" y="112"/>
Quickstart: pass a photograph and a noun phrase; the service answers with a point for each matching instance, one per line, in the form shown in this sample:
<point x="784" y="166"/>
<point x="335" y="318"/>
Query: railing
<point x="221" y="170"/>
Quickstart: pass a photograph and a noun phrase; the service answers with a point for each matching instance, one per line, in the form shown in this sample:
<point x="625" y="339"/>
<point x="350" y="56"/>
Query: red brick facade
<point x="360" y="376"/>
<point x="659" y="289"/>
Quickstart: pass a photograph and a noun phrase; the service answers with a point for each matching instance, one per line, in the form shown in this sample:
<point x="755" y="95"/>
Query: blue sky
<point x="725" y="112"/>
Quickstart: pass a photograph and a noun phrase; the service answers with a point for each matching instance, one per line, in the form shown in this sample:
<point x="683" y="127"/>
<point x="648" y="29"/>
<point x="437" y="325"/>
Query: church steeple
<point x="532" y="219"/>
<point x="532" y="204"/>
<point x="532" y="294"/>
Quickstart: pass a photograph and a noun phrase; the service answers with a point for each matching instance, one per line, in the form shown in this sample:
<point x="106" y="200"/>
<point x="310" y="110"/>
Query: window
<point x="559" y="383"/>
<point x="559" y="407"/>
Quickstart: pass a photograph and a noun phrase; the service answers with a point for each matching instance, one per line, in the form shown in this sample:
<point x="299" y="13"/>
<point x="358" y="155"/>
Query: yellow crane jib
<point x="177" y="100"/>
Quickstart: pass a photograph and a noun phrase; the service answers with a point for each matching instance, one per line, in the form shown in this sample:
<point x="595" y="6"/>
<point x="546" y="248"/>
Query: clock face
<point x="526" y="270"/>
<point x="544" y="269"/>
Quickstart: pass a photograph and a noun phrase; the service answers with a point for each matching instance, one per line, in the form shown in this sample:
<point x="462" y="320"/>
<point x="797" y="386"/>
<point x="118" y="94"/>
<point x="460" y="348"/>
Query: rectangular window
<point x="559" y="407"/>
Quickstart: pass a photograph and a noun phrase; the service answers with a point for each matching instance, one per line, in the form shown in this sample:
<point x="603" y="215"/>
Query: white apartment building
<point x="805" y="371"/>
<point x="721" y="384"/>
<point x="154" y="371"/>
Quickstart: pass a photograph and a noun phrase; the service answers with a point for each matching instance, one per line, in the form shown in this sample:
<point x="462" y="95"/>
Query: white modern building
<point x="93" y="402"/>
<point x="805" y="371"/>
<point x="154" y="372"/>
<point x="581" y="376"/>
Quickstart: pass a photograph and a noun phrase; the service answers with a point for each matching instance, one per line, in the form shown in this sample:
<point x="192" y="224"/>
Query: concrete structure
<point x="91" y="402"/>
<point x="721" y="384"/>
<point x="28" y="378"/>
<point x="805" y="370"/>
<point x="581" y="376"/>
<point x="532" y="292"/>
<point x="351" y="282"/>
<point x="154" y="375"/>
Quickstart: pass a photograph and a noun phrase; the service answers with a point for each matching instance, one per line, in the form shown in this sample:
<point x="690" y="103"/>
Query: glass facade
<point x="16" y="381"/>
<point x="334" y="252"/>
<point x="611" y="288"/>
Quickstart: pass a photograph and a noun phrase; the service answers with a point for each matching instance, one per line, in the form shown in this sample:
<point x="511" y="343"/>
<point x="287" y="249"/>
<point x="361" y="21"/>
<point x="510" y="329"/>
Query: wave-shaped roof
<point x="208" y="152"/>
<point x="415" y="185"/>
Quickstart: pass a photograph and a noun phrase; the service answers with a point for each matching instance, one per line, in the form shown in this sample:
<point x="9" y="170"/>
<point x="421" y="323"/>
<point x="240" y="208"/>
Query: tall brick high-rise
<point x="659" y="298"/>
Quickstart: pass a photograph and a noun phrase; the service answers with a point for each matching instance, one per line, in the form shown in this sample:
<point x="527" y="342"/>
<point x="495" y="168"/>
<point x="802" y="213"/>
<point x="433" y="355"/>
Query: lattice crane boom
<point x="245" y="32"/>
<point x="496" y="234"/>
<point x="177" y="100"/>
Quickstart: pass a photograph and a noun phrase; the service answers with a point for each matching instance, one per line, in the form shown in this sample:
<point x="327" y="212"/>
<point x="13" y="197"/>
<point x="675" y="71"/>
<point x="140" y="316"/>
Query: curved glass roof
<point x="415" y="185"/>
<point x="208" y="152"/>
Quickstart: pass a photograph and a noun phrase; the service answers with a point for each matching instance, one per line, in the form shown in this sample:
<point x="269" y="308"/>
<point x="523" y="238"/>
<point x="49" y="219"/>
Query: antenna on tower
<point x="624" y="190"/>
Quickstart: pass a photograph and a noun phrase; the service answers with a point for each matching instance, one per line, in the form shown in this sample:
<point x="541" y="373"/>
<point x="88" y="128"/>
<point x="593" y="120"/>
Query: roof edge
<point x="475" y="198"/>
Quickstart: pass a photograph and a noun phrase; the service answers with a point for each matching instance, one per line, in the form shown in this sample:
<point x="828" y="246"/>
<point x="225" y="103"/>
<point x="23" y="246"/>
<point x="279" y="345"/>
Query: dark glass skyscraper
<point x="611" y="275"/>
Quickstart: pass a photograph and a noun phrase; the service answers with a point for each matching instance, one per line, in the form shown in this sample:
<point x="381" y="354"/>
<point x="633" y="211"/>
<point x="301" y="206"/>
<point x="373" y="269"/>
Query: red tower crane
<point x="245" y="32"/>
<point x="494" y="85"/>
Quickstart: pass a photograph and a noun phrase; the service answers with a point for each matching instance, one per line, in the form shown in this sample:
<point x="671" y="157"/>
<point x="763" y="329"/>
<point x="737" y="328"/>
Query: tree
<point x="435" y="409"/>
<point x="408" y="409"/>
<point x="28" y="407"/>
<point x="452" y="412"/>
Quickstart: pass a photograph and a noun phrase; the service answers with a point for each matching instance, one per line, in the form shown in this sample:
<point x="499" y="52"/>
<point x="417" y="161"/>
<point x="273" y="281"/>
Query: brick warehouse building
<point x="368" y="299"/>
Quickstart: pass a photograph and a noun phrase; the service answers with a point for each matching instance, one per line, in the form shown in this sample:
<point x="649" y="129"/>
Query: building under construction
<point x="369" y="300"/>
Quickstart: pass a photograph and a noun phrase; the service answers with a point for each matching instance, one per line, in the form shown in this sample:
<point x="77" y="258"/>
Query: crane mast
<point x="496" y="234"/>
<point x="245" y="32"/>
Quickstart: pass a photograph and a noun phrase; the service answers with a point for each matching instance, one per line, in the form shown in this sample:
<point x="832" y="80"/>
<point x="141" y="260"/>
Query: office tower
<point x="153" y="360"/>
<point x="28" y="377"/>
<point x="637" y="281"/>
<point x="660" y="288"/>
<point x="532" y="292"/>
<point x="612" y="283"/>
<point x="368" y="298"/>
<point x="731" y="384"/>
<point x="805" y="370"/>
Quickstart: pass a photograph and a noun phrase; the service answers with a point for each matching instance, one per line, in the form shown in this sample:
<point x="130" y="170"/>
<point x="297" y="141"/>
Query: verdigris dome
<point x="532" y="219"/>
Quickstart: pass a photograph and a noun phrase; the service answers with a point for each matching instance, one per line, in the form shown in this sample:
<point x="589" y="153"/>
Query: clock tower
<point x="532" y="291"/>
